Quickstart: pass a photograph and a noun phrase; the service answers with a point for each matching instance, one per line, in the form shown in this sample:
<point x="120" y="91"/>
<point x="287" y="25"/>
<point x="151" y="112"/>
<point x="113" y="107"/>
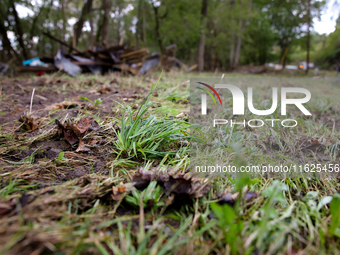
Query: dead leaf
<point x="82" y="146"/>
<point x="177" y="186"/>
<point x="174" y="183"/>
<point x="94" y="126"/>
<point x="114" y="81"/>
<point x="62" y="105"/>
<point x="30" y="123"/>
<point x="5" y="208"/>
<point x="92" y="142"/>
<point x="121" y="189"/>
<point x="128" y="99"/>
<point x="81" y="126"/>
<point x="66" y="132"/>
<point x="70" y="136"/>
<point x="93" y="91"/>
<point x="74" y="132"/>
<point x="104" y="90"/>
<point x="314" y="145"/>
<point x="229" y="198"/>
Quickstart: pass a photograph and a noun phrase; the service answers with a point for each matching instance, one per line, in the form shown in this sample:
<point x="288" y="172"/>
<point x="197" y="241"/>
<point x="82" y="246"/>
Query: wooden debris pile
<point x="99" y="61"/>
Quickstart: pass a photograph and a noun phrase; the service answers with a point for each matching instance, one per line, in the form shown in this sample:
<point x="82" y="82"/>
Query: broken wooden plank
<point x="141" y="52"/>
<point x="86" y="63"/>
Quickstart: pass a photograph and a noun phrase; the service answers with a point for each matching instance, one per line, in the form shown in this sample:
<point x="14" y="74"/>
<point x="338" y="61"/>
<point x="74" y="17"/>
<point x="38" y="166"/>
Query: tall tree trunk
<point x="242" y="27"/>
<point x="201" y="45"/>
<point x="78" y="27"/>
<point x="100" y="28"/>
<point x="6" y="42"/>
<point x="239" y="43"/>
<point x="139" y="23"/>
<point x="64" y="18"/>
<point x="214" y="57"/>
<point x="158" y="36"/>
<point x="144" y="23"/>
<point x="91" y="33"/>
<point x="308" y="36"/>
<point x="232" y="50"/>
<point x="232" y="43"/>
<point x="19" y="30"/>
<point x="106" y="22"/>
<point x="284" y="52"/>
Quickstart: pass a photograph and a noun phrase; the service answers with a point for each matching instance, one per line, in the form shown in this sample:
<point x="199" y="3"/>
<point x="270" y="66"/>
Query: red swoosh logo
<point x="213" y="90"/>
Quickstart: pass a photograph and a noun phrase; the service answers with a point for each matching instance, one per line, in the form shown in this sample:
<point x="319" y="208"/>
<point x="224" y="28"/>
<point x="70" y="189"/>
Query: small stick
<point x="32" y="100"/>
<point x="222" y="78"/>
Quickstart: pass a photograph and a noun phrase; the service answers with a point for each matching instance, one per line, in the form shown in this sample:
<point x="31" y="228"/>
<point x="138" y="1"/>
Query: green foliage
<point x="15" y="186"/>
<point x="231" y="226"/>
<point x="151" y="195"/>
<point x="61" y="156"/>
<point x="268" y="23"/>
<point x="94" y="103"/>
<point x="335" y="212"/>
<point x="148" y="136"/>
<point x="329" y="54"/>
<point x="274" y="194"/>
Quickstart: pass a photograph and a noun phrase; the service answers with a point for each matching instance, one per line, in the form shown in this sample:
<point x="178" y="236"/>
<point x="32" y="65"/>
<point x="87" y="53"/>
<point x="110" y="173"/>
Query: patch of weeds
<point x="150" y="196"/>
<point x="15" y="186"/>
<point x="94" y="103"/>
<point x="143" y="135"/>
<point x="167" y="109"/>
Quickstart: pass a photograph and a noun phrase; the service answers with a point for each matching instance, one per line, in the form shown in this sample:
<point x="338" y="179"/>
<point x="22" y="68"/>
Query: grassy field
<point x="101" y="165"/>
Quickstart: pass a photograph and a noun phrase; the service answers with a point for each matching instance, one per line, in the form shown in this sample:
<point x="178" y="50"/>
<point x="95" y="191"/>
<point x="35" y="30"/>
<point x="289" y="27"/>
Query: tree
<point x="329" y="55"/>
<point x="106" y="22"/>
<point x="158" y="17"/>
<point x="308" y="34"/>
<point x="201" y="45"/>
<point x="288" y="19"/>
<point x="242" y="25"/>
<point x="80" y="23"/>
<point x="18" y="28"/>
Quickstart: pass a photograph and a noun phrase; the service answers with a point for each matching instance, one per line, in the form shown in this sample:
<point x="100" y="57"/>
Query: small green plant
<point x="94" y="103"/>
<point x="16" y="186"/>
<point x="29" y="160"/>
<point x="231" y="226"/>
<point x="151" y="195"/>
<point x="61" y="157"/>
<point x="335" y="212"/>
<point x="147" y="136"/>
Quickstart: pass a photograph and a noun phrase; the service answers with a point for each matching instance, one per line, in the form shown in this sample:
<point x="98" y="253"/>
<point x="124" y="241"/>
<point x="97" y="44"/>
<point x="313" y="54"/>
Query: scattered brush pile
<point x="118" y="58"/>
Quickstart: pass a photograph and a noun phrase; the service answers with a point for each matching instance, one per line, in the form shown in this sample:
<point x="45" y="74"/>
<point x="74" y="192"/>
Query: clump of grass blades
<point x="148" y="136"/>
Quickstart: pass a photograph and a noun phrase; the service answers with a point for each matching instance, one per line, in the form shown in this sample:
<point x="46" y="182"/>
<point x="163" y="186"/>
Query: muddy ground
<point x="58" y="99"/>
